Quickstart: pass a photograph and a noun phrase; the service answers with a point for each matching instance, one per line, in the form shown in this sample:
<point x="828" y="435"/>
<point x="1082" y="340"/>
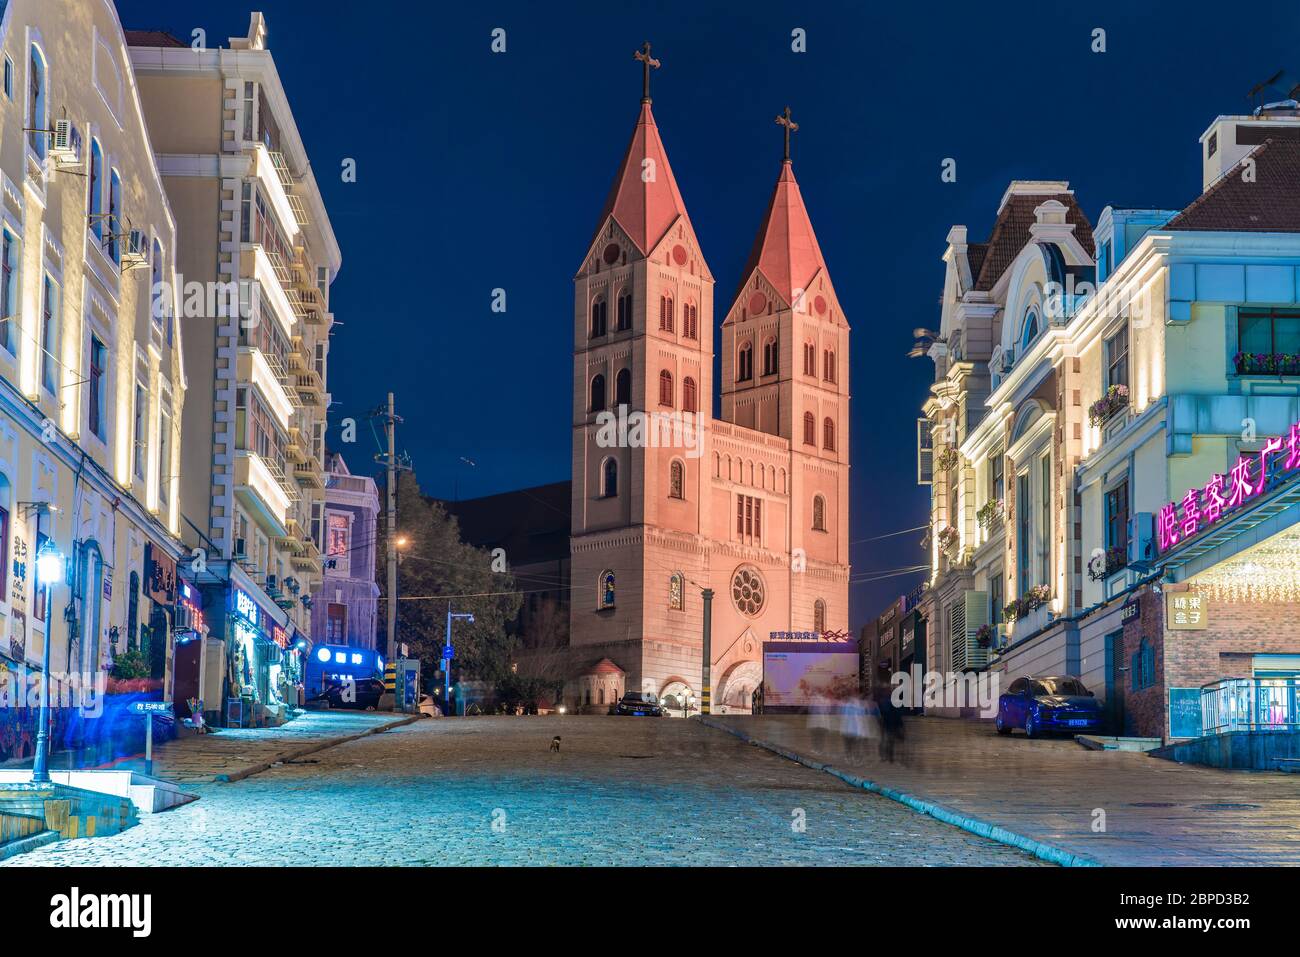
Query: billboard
<point x="796" y="672"/>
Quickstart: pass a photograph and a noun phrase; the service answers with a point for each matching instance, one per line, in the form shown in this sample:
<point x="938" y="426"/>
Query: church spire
<point x="785" y="250"/>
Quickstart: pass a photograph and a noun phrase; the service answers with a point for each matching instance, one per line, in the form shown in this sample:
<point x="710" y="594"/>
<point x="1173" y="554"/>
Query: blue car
<point x="1040" y="705"/>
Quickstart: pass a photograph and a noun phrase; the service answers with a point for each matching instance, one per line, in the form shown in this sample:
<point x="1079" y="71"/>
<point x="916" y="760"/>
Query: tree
<point x="436" y="569"/>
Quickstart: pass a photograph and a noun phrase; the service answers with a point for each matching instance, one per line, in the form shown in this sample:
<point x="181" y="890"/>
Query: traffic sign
<point x="447" y="653"/>
<point x="151" y="707"/>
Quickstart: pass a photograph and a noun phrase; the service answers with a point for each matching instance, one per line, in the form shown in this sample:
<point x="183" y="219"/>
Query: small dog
<point x="555" y="743"/>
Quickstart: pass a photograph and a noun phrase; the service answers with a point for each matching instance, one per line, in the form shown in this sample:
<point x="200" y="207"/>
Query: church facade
<point x="667" y="500"/>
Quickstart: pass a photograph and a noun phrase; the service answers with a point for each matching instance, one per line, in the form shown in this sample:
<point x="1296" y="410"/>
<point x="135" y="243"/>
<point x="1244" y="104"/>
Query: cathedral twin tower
<point x="754" y="505"/>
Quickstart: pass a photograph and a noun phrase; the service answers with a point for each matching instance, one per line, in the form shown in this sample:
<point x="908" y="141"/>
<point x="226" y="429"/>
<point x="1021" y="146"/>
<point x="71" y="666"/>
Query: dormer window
<point x="1029" y="331"/>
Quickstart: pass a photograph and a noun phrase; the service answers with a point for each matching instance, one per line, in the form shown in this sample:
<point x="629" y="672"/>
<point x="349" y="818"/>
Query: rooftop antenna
<point x="1257" y="91"/>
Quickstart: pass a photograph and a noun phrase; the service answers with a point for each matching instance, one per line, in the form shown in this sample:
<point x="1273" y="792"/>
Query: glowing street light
<point x="50" y="565"/>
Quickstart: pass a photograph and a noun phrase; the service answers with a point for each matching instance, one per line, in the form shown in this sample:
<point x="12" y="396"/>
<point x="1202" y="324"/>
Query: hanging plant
<point x="1115" y="399"/>
<point x="990" y="512"/>
<point x="947" y="459"/>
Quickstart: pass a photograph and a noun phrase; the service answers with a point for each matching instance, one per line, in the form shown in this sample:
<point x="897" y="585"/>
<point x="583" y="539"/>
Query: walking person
<point x="891" y="718"/>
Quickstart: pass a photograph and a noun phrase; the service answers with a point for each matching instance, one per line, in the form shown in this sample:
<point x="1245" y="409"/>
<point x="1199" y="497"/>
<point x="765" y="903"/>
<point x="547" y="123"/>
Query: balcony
<point x="262" y="492"/>
<point x="309" y="561"/>
<point x="1250" y="704"/>
<point x="265" y="269"/>
<point x="261" y="370"/>
<point x="277" y="182"/>
<point x="310" y="473"/>
<point x="1267" y="363"/>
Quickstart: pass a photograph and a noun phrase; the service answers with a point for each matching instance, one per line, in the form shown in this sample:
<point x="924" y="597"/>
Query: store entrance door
<point x="186" y="682"/>
<point x="1115" y="671"/>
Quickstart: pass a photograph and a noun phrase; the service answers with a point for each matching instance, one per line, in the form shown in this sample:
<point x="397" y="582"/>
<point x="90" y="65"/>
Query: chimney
<point x="1231" y="138"/>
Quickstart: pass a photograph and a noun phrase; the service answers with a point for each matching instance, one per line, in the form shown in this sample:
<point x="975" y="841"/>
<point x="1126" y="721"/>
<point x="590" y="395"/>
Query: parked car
<point x="1042" y="704"/>
<point x="366" y="698"/>
<point x="640" y="704"/>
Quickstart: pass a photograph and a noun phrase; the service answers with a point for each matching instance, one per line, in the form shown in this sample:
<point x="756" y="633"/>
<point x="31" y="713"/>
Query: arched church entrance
<point x="735" y="691"/>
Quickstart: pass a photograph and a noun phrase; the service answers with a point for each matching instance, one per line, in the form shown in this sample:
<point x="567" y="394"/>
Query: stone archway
<point x="672" y="695"/>
<point x="735" y="691"/>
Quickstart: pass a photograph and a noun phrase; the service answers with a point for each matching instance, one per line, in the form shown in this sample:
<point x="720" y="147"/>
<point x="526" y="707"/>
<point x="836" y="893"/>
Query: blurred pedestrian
<point x="821" y="720"/>
<point x="891" y="717"/>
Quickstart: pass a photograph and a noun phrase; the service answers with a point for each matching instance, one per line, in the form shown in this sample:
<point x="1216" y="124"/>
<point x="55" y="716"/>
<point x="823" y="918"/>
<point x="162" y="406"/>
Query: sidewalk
<point x="231" y="754"/>
<point x="1044" y="794"/>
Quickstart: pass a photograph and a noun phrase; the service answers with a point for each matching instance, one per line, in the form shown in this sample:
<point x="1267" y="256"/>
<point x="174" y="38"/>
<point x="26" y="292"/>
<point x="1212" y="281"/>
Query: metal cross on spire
<point x="647" y="61"/>
<point x="791" y="126"/>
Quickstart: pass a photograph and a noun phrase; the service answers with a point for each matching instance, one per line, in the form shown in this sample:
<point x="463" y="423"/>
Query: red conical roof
<point x="785" y="250"/>
<point x="645" y="206"/>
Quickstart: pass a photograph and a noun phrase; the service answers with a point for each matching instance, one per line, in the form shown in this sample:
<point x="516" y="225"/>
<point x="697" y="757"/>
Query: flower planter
<point x="1030" y="622"/>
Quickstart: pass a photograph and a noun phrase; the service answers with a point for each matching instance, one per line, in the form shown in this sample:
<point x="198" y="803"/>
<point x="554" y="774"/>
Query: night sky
<point x="478" y="170"/>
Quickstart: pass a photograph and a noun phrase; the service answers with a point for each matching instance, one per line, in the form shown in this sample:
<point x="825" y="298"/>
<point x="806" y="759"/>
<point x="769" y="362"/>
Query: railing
<point x="1250" y="704"/>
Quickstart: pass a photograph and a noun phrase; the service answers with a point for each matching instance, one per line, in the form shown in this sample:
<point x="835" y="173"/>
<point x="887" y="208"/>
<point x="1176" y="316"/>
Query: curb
<point x="25" y="844"/>
<point x="974" y="825"/>
<point x="309" y="749"/>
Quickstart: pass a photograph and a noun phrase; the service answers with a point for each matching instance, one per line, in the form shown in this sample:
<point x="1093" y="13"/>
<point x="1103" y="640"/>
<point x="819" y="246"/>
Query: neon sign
<point x="1221" y="495"/>
<point x="246" y="608"/>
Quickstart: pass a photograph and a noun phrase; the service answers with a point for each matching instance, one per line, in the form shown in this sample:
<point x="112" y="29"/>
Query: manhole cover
<point x="1152" y="804"/>
<point x="1228" y="807"/>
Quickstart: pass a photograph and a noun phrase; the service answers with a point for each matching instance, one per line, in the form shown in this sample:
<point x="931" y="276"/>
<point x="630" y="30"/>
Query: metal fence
<point x="1250" y="704"/>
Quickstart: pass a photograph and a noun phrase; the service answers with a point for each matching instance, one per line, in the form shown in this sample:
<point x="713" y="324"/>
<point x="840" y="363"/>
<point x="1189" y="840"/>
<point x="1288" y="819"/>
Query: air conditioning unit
<point x="1141" y="538"/>
<point x="65" y="143"/>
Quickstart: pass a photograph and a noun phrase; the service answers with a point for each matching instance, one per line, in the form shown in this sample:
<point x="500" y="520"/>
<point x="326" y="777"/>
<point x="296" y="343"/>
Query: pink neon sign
<point x="1203" y="507"/>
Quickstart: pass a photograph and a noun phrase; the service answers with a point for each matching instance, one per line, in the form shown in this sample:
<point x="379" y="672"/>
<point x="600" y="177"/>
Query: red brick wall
<point x="1144" y="710"/>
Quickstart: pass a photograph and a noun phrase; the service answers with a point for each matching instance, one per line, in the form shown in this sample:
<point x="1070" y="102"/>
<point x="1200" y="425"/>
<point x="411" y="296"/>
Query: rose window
<point x="747" y="591"/>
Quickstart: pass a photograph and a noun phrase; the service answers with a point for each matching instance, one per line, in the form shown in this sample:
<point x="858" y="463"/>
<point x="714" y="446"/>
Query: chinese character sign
<point x="1248" y="479"/>
<point x="1186" y="611"/>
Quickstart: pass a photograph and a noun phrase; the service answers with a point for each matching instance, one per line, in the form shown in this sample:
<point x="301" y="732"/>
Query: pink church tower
<point x="753" y="506"/>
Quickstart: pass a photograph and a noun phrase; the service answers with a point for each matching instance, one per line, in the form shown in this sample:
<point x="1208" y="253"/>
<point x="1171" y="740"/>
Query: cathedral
<point x="753" y="505"/>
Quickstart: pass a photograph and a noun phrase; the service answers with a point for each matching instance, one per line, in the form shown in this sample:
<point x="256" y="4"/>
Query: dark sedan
<point x="364" y="695"/>
<point x="640" y="704"/>
<point x="1040" y="705"/>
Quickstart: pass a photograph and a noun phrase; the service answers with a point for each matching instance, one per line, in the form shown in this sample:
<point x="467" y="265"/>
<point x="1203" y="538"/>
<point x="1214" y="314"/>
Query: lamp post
<point x="447" y="654"/>
<point x="49" y="569"/>
<point x="706" y="667"/>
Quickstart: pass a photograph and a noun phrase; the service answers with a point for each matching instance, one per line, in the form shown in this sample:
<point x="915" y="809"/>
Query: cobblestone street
<point x="489" y="791"/>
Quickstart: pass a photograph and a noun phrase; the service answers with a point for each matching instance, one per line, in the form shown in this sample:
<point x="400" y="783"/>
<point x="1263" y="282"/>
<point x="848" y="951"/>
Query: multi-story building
<point x="1112" y="377"/>
<point x="257" y="261"/>
<point x="344" y="606"/>
<point x="92" y="388"/>
<point x="753" y="506"/>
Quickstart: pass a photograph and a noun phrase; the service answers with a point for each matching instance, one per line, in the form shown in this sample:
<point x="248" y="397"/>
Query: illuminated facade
<point x="753" y="505"/>
<point x="92" y="388"/>
<point x="1117" y="408"/>
<point x="345" y="606"/>
<point x="257" y="263"/>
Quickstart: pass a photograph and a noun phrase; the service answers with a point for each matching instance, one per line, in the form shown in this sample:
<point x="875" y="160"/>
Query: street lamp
<point x="447" y="654"/>
<point x="50" y="566"/>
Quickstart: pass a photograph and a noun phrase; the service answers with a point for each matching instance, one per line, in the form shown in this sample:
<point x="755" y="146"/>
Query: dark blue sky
<point x="478" y="171"/>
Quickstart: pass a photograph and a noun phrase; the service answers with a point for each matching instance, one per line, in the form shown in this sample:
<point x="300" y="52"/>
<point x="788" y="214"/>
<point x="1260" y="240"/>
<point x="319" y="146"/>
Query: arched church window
<point x="676" y="480"/>
<point x="623" y="387"/>
<point x="770" y="357"/>
<point x="597" y="393"/>
<point x="819" y="513"/>
<point x="819" y="616"/>
<point x="624" y="320"/>
<point x="1029" y="331"/>
<point x="609" y="479"/>
<point x="599" y="317"/>
<point x="828" y="365"/>
<point x="607" y="589"/>
<point x="810" y="358"/>
<point x="809" y="429"/>
<point x="690" y="320"/>
<point x="745" y="363"/>
<point x="748" y="591"/>
<point x="676" y="591"/>
<point x="689" y="400"/>
<point x="665" y="388"/>
<point x="666" y="313"/>
<point x="828" y="434"/>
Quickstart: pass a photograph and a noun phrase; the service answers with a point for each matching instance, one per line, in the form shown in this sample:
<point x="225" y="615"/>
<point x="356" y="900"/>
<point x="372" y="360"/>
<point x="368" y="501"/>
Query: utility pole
<point x="706" y="667"/>
<point x="390" y="427"/>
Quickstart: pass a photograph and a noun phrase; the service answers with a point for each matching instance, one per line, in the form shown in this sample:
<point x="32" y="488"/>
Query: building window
<point x="9" y="78"/>
<point x="246" y="213"/>
<point x="690" y="320"/>
<point x="95" y="196"/>
<point x="138" y="438"/>
<point x="164" y="451"/>
<point x="623" y="387"/>
<point x="336" y="624"/>
<point x="676" y="592"/>
<point x="1142" y="666"/>
<point x="809" y="358"/>
<point x="114" y="214"/>
<point x="609" y="479"/>
<point x="1024" y="521"/>
<point x="1268" y="341"/>
<point x="1117" y="518"/>
<point x="689" y="401"/>
<point x="1117" y="358"/>
<point x="748" y="591"/>
<point x="50" y="336"/>
<point x="4" y="548"/>
<point x="606" y="589"/>
<point x="624" y="318"/>
<point x="156" y="285"/>
<point x="996" y="600"/>
<point x="819" y="616"/>
<point x="599" y="317"/>
<point x="770" y="357"/>
<point x="98" y="387"/>
<point x="997" y="479"/>
<point x="665" y="388"/>
<point x="1029" y="331"/>
<point x="338" y="541"/>
<point x="597" y="393"/>
<point x="38" y="119"/>
<point x="809" y="429"/>
<point x="828" y="365"/>
<point x="819" y="513"/>
<point x="828" y="434"/>
<point x="749" y="518"/>
<point x="249" y="106"/>
<point x="1045" y="515"/>
<point x="10" y="263"/>
<point x="666" y="313"/>
<point x="676" y="480"/>
<point x="745" y="362"/>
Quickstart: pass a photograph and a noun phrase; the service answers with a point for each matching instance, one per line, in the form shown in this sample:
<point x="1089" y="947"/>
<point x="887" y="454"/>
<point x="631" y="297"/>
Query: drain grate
<point x="1152" y="804"/>
<point x="636" y="756"/>
<point x="1228" y="807"/>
